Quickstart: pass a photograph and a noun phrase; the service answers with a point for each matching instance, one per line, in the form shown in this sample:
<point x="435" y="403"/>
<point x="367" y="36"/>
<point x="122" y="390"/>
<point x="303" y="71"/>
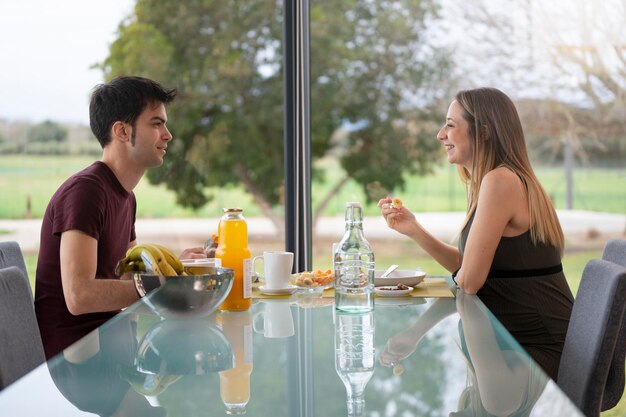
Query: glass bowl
<point x="186" y="295"/>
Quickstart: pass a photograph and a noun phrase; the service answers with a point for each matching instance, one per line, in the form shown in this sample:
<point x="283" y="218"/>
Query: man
<point x="90" y="221"/>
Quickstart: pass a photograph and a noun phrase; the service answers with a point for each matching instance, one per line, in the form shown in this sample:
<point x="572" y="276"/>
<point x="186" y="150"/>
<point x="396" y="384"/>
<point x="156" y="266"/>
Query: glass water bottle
<point x="354" y="265"/>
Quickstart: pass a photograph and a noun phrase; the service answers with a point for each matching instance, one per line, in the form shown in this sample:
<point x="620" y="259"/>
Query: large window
<point x="379" y="75"/>
<point x="383" y="73"/>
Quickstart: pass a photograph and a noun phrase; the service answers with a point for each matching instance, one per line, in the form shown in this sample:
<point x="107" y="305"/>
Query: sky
<point x="46" y="50"/>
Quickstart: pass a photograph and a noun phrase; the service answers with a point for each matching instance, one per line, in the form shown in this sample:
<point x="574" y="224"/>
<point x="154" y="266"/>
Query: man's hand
<point x="193" y="253"/>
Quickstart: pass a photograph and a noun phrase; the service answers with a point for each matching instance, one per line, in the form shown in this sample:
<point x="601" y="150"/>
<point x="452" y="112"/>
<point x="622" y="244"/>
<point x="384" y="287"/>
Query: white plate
<point x="318" y="287"/>
<point x="410" y="277"/>
<point x="216" y="262"/>
<point x="390" y="292"/>
<point x="201" y="266"/>
<point x="278" y="291"/>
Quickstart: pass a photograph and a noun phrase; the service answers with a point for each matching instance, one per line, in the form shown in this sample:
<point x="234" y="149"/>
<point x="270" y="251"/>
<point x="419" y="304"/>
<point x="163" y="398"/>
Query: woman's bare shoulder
<point x="503" y="193"/>
<point x="501" y="178"/>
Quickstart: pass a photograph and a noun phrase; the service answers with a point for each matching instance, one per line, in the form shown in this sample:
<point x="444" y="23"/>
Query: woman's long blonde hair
<point x="498" y="140"/>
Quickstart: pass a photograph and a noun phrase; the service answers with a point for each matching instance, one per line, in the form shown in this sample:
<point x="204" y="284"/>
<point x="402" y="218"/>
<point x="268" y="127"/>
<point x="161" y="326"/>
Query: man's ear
<point x="120" y="131"/>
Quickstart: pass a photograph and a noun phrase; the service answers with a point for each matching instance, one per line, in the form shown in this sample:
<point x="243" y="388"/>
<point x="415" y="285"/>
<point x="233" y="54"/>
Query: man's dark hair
<point x="123" y="99"/>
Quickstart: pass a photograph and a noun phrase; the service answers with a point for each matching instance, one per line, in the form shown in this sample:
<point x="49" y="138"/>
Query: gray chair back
<point x="615" y="251"/>
<point x="11" y="255"/>
<point x="592" y="334"/>
<point x="21" y="349"/>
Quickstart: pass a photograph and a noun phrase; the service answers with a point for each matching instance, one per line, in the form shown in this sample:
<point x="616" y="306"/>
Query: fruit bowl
<point x="185" y="295"/>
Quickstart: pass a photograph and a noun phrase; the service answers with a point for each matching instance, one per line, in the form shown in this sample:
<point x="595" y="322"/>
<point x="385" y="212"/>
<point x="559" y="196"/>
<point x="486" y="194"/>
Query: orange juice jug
<point x="233" y="251"/>
<point x="235" y="382"/>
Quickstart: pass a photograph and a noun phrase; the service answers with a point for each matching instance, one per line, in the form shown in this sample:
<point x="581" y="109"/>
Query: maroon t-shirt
<point x="94" y="202"/>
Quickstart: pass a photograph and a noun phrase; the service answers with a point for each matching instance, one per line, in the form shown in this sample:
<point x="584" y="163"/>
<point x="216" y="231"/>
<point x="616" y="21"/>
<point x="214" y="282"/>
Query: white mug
<point x="277" y="320"/>
<point x="277" y="268"/>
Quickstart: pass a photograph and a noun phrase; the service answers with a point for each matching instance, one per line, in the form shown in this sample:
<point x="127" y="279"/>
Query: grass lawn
<point x="35" y="178"/>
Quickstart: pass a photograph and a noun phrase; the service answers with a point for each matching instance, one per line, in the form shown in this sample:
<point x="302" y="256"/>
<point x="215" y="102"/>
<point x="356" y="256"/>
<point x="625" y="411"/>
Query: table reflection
<point x="113" y="374"/>
<point x="235" y="382"/>
<point x="354" y="356"/>
<point x="501" y="380"/>
<point x="98" y="375"/>
<point x="205" y="349"/>
<point x="275" y="320"/>
<point x="409" y="357"/>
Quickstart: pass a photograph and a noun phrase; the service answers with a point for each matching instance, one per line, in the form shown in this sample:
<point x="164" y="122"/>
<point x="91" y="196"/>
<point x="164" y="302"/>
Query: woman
<point x="511" y="244"/>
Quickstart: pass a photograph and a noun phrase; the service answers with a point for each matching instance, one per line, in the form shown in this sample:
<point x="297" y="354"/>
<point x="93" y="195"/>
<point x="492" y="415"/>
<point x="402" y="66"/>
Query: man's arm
<point x="83" y="292"/>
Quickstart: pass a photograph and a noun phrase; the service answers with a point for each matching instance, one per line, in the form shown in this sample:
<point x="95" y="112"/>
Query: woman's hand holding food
<point x="399" y="347"/>
<point x="398" y="217"/>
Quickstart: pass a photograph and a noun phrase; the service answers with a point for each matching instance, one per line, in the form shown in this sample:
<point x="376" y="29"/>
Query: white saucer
<point x="389" y="292"/>
<point x="278" y="291"/>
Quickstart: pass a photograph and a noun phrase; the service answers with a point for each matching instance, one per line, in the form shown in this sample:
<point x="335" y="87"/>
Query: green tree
<point x="47" y="131"/>
<point x="370" y="65"/>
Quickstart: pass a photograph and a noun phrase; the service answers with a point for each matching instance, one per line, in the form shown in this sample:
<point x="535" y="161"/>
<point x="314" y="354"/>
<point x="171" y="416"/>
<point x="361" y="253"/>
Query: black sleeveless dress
<point x="529" y="298"/>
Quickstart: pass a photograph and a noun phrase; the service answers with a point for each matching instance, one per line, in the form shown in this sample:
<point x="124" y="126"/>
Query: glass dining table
<point x="295" y="356"/>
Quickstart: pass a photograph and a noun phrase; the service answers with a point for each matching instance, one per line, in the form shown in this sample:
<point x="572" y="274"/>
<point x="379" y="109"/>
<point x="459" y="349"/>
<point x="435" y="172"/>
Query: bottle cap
<point x="232" y="210"/>
<point x="353" y="204"/>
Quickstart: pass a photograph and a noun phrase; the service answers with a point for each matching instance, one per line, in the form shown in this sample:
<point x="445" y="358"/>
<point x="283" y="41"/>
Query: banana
<point x="129" y="265"/>
<point x="158" y="256"/>
<point x="152" y="257"/>
<point x="131" y="262"/>
<point x="152" y="264"/>
<point x="171" y="258"/>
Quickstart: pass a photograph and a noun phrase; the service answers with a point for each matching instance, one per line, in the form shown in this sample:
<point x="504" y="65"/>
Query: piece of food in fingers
<point x="396" y="203"/>
<point x="398" y="370"/>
